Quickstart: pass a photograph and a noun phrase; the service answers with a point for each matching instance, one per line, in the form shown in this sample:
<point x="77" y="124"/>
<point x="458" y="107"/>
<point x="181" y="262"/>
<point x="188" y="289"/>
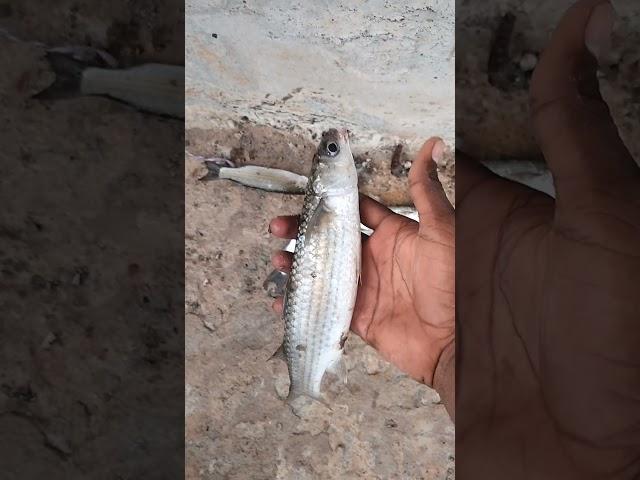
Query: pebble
<point x="208" y="325"/>
<point x="426" y="396"/>
<point x="528" y="62"/>
<point x="281" y="385"/>
<point x="372" y="365"/>
<point x="48" y="340"/>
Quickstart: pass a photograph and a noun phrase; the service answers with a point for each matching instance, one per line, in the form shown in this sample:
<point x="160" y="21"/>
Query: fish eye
<point x="332" y="148"/>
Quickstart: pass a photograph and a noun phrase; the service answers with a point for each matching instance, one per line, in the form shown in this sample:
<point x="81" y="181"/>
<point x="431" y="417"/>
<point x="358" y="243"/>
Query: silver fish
<point x="322" y="287"/>
<point x="153" y="88"/>
<point x="263" y="178"/>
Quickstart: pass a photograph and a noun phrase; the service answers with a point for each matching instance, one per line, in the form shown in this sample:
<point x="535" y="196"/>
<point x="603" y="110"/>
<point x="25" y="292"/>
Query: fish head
<point x="334" y="171"/>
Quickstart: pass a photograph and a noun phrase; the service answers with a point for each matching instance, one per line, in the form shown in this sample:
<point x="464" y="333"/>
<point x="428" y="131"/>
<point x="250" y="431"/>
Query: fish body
<point x="153" y="88"/>
<point x="263" y="178"/>
<point x="321" y="291"/>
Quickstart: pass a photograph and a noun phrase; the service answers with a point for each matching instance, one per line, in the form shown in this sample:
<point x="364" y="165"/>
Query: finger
<point x="425" y="187"/>
<point x="572" y="122"/>
<point x="285" y="226"/>
<point x="282" y="260"/>
<point x="372" y="213"/>
<point x="278" y="305"/>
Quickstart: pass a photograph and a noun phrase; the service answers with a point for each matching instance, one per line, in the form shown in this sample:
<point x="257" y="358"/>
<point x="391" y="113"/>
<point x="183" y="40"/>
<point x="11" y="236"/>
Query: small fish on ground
<point x="263" y="178"/>
<point x="153" y="88"/>
<point x="535" y="175"/>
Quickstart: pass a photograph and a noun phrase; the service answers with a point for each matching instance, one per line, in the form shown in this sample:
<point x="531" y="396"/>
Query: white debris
<point x="528" y="62"/>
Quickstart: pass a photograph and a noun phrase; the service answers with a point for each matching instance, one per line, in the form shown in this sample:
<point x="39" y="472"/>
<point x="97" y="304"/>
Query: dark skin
<point x="547" y="290"/>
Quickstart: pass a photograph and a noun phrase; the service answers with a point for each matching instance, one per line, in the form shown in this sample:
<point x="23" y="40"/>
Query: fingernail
<point x="599" y="31"/>
<point x="438" y="151"/>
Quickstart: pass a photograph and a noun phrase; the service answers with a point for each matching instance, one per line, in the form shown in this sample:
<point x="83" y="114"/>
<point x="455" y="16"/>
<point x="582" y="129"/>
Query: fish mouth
<point x="339" y="135"/>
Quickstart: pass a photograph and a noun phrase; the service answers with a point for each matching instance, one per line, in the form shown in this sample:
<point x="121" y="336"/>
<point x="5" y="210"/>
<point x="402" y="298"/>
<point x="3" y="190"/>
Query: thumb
<point x="572" y="122"/>
<point x="425" y="187"/>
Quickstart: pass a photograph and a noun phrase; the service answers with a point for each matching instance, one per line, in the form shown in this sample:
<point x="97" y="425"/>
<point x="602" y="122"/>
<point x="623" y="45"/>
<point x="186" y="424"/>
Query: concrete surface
<point x="259" y="91"/>
<point x="380" y="68"/>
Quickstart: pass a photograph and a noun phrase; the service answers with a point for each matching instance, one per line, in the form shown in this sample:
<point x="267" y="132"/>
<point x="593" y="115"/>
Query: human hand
<point x="405" y="304"/>
<point x="547" y="308"/>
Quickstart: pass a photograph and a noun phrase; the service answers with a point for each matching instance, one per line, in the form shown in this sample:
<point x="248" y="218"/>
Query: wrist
<point x="444" y="377"/>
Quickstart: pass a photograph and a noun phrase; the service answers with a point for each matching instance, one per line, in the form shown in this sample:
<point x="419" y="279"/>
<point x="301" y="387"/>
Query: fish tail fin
<point x="214" y="167"/>
<point x="68" y="80"/>
<point x="68" y="64"/>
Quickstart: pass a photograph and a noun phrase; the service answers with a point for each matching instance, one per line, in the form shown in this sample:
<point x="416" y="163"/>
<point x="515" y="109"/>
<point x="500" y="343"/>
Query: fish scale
<point x="322" y="287"/>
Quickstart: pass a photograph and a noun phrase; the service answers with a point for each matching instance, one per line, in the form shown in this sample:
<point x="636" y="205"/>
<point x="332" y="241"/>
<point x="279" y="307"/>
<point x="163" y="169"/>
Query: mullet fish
<point x="152" y="88"/>
<point x="321" y="291"/>
<point x="263" y="178"/>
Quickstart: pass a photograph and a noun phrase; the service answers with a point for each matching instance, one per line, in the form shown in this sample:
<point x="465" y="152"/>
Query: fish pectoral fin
<point x="322" y="215"/>
<point x="339" y="369"/>
<point x="278" y="354"/>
